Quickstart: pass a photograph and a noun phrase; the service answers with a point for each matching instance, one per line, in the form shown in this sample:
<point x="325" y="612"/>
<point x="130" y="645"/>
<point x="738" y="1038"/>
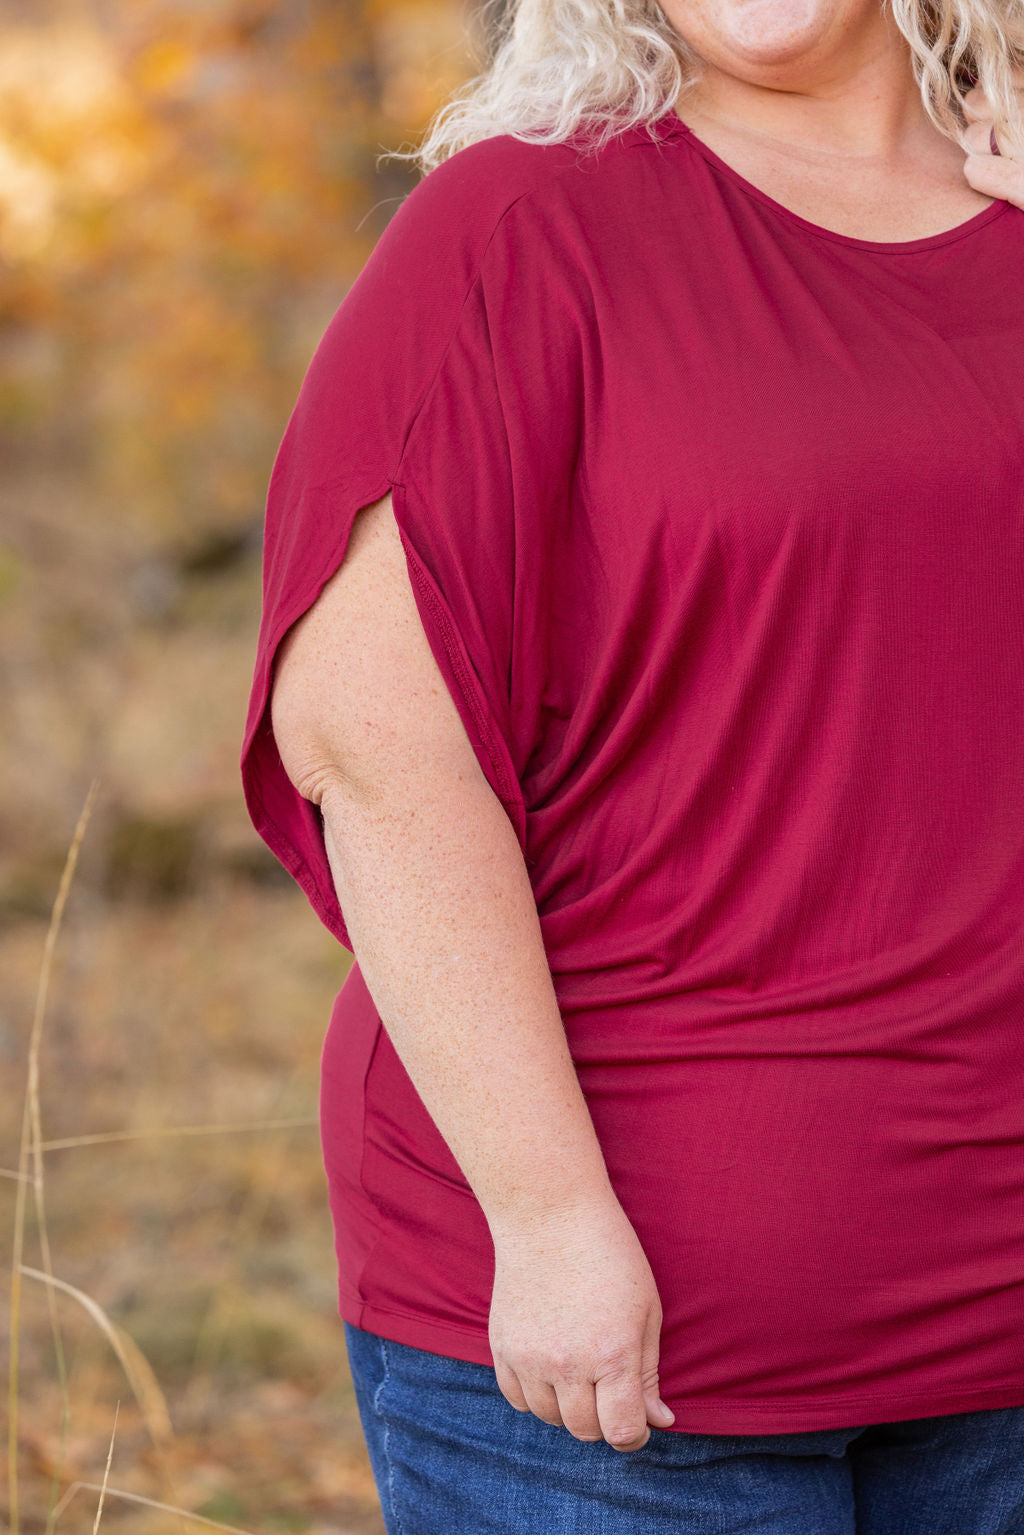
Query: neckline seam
<point x="680" y="130"/>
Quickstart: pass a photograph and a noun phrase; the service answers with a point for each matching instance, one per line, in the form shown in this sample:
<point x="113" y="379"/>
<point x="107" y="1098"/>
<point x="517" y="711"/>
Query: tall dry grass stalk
<point x="106" y="1470"/>
<point x="138" y="1372"/>
<point x="137" y="1497"/>
<point x="31" y="1140"/>
<point x="173" y="1130"/>
<point x="140" y="1376"/>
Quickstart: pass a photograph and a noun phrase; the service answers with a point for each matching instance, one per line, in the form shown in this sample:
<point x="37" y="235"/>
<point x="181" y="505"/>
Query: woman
<point x="640" y="697"/>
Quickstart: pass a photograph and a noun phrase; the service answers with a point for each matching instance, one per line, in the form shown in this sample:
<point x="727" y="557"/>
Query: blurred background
<point x="187" y="189"/>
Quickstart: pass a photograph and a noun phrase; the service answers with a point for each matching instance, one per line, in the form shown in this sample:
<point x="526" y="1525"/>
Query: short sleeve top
<point x="715" y="522"/>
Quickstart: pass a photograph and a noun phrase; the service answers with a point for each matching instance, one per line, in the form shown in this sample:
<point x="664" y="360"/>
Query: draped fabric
<point x="715" y="523"/>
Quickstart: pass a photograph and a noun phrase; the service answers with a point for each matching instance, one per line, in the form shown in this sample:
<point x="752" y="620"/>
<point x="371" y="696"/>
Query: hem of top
<point x="709" y="1415"/>
<point x="677" y="129"/>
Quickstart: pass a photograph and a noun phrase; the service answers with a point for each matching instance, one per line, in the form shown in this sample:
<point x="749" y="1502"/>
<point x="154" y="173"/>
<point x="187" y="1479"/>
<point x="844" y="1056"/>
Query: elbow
<point x="312" y="771"/>
<point x="308" y="766"/>
<point x="302" y="745"/>
<point x="309" y="772"/>
<point x="313" y="778"/>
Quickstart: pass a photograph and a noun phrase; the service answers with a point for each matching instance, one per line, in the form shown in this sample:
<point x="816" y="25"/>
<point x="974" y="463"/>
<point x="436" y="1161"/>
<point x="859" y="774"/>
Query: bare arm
<point x="443" y="922"/>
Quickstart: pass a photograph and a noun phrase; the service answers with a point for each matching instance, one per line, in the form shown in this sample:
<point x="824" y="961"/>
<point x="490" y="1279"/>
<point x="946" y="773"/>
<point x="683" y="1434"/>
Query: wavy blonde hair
<point x="559" y="68"/>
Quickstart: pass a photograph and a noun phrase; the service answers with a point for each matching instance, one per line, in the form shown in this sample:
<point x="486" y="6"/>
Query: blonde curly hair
<point x="599" y="67"/>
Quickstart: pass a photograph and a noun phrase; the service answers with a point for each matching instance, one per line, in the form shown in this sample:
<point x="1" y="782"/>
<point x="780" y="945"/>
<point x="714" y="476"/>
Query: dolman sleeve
<point x="401" y="395"/>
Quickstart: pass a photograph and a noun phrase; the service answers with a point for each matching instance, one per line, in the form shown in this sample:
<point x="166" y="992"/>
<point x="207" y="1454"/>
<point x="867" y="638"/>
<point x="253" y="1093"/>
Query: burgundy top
<point x="715" y="522"/>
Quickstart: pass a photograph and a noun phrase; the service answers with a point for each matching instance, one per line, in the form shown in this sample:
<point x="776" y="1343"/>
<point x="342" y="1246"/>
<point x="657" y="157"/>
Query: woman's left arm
<point x="995" y="175"/>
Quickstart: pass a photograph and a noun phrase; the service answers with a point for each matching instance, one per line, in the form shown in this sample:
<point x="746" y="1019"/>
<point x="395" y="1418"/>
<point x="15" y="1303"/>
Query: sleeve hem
<point x="271" y="799"/>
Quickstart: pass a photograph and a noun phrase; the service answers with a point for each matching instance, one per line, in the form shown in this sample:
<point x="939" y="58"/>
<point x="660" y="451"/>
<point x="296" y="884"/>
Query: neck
<point x="855" y="98"/>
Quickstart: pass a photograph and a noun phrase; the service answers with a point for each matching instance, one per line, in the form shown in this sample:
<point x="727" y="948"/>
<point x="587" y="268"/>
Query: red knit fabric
<point x="715" y="522"/>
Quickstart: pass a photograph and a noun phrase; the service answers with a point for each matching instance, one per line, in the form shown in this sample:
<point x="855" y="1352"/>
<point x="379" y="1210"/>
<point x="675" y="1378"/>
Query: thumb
<point x="658" y="1412"/>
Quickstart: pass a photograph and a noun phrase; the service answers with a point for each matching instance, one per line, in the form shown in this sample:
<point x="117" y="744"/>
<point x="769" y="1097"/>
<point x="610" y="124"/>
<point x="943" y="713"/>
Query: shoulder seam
<point x="616" y="143"/>
<point x="435" y="374"/>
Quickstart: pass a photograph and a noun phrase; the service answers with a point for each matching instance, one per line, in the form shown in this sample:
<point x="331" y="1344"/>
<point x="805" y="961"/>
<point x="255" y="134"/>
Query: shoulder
<point x="460" y="262"/>
<point x="467" y="197"/>
<point x="499" y="170"/>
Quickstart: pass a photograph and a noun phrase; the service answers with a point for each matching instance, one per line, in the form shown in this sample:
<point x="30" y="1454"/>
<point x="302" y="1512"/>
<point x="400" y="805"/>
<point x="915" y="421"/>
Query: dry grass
<point x="206" y="186"/>
<point x="184" y="1254"/>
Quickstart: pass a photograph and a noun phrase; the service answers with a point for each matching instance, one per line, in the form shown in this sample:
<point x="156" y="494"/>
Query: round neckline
<point x="674" y="127"/>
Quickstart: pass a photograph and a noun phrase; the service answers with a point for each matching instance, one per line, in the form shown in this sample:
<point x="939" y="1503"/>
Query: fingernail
<point x="666" y="1413"/>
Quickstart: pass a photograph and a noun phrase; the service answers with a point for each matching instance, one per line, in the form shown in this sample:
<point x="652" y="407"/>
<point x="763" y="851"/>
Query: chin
<point x="758" y="32"/>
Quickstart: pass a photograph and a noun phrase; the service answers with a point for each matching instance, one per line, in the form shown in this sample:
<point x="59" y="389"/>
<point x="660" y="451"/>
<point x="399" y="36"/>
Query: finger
<point x="658" y="1412"/>
<point x="543" y="1402"/>
<point x="975" y="139"/>
<point x="622" y="1410"/>
<point x="508" y="1385"/>
<point x="996" y="176"/>
<point x="577" y="1404"/>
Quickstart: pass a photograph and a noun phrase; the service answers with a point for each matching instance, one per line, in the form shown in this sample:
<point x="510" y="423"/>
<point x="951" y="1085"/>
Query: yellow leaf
<point x="164" y="66"/>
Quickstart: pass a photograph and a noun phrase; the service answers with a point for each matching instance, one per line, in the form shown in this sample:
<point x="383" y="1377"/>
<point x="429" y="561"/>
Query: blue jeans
<point x="451" y="1456"/>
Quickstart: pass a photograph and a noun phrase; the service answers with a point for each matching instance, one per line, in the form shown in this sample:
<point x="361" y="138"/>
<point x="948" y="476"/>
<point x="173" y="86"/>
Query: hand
<point x="575" y="1324"/>
<point x="999" y="175"/>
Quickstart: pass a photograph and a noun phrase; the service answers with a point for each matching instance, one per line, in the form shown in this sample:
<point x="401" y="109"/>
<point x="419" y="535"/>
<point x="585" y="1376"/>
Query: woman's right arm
<point x="443" y="923"/>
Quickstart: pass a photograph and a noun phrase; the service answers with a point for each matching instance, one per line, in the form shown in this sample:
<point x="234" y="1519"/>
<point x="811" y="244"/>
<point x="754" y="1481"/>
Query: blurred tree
<point x="187" y="190"/>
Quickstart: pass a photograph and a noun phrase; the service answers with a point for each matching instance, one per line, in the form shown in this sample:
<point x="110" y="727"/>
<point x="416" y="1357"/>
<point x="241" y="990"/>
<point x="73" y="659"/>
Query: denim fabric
<point x="451" y="1456"/>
